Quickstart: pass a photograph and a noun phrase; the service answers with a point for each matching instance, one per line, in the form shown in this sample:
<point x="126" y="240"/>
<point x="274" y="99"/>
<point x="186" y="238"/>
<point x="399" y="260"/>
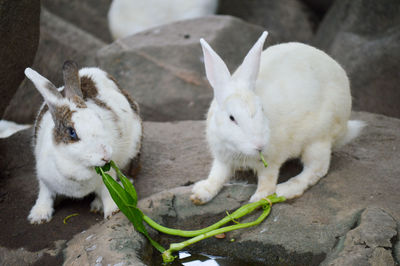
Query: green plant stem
<point x="242" y="211"/>
<point x="179" y="246"/>
<point x="263" y="160"/>
<point x="126" y="199"/>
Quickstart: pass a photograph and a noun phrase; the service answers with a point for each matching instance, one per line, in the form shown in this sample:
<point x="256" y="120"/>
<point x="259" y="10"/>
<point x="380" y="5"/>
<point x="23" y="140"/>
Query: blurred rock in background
<point x="319" y="7"/>
<point x="89" y="15"/>
<point x="59" y="41"/>
<point x="19" y="37"/>
<point x="364" y="37"/>
<point x="163" y="67"/>
<point x="288" y="20"/>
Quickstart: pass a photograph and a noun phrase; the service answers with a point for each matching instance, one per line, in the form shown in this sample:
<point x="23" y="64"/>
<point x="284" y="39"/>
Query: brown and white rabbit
<point x="94" y="122"/>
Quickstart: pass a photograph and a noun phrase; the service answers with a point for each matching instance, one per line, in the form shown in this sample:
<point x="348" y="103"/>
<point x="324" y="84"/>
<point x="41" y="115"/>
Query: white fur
<point x="68" y="169"/>
<point x="299" y="106"/>
<point x="127" y="17"/>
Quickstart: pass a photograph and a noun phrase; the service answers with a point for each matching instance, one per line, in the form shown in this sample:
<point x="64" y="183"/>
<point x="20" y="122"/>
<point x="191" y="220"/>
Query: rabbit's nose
<point x="260" y="147"/>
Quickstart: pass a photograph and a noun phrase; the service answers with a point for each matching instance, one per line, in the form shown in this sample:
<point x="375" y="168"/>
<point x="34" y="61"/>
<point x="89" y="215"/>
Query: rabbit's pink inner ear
<point x="248" y="70"/>
<point x="216" y="70"/>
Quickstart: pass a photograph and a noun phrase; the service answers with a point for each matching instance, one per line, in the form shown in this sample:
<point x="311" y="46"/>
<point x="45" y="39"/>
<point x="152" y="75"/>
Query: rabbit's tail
<point x="354" y="128"/>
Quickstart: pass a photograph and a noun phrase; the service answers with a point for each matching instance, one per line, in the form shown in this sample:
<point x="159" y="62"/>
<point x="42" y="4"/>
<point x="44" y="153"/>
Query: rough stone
<point x="89" y="15"/>
<point x="297" y="25"/>
<point x="113" y="242"/>
<point x="369" y="243"/>
<point x="173" y="154"/>
<point x="59" y="41"/>
<point x="362" y="182"/>
<point x="163" y="69"/>
<point x="23" y="257"/>
<point x="19" y="31"/>
<point x="358" y="199"/>
<point x="364" y="37"/>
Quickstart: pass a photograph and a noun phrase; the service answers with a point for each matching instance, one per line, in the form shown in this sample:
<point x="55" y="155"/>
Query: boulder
<point x="369" y="243"/>
<point x="351" y="215"/>
<point x="162" y="68"/>
<point x="88" y="15"/>
<point x="355" y="204"/>
<point x="59" y="41"/>
<point x="364" y="37"/>
<point x="19" y="31"/>
<point x="289" y="20"/>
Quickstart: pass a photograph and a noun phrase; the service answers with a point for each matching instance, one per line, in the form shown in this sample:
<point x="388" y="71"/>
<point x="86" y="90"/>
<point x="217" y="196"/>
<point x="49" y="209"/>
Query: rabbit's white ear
<point x="216" y="70"/>
<point x="47" y="89"/>
<point x="248" y="70"/>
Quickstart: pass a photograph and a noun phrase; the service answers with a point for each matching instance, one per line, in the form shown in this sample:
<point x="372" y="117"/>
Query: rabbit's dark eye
<point x="232" y="118"/>
<point x="72" y="133"/>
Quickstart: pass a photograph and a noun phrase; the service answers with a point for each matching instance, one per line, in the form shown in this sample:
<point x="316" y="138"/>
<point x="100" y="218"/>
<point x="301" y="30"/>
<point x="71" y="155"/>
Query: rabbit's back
<point x="305" y="93"/>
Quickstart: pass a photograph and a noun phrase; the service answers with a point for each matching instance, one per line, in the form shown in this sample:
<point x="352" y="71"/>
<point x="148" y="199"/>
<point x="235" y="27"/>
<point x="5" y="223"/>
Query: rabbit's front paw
<point x="40" y="214"/>
<point x="260" y="194"/>
<point x="96" y="206"/>
<point x="110" y="208"/>
<point x="203" y="192"/>
<point x="289" y="191"/>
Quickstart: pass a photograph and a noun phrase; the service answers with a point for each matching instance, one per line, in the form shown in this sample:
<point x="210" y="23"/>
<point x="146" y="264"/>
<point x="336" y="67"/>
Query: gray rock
<point x="89" y="15"/>
<point x="19" y="31"/>
<point x="357" y="202"/>
<point x="288" y="20"/>
<point x="370" y="242"/>
<point x="23" y="257"/>
<point x="355" y="207"/>
<point x="173" y="154"/>
<point x="364" y="37"/>
<point x="108" y="243"/>
<point x="162" y="68"/>
<point x="59" y="41"/>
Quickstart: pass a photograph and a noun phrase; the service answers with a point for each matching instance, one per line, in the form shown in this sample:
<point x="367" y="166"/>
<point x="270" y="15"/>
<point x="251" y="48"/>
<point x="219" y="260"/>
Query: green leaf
<point x="106" y="167"/>
<point x="127" y="206"/>
<point x="117" y="192"/>
<point x="126" y="183"/>
<point x="97" y="170"/>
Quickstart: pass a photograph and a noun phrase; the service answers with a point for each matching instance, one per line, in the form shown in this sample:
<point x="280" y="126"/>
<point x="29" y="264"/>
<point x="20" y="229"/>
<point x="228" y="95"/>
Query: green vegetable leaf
<point x="126" y="183"/>
<point x="127" y="206"/>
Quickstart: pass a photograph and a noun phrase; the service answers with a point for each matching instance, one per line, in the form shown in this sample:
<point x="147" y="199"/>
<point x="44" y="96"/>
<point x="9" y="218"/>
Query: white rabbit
<point x="127" y="17"/>
<point x="299" y="106"/>
<point x="95" y="122"/>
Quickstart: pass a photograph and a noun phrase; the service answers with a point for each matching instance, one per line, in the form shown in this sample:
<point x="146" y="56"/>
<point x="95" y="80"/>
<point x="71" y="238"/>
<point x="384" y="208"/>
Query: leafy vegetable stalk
<point x="263" y="160"/>
<point x="126" y="199"/>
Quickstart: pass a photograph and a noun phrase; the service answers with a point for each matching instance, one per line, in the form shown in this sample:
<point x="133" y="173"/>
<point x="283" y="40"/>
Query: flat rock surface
<point x="311" y="229"/>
